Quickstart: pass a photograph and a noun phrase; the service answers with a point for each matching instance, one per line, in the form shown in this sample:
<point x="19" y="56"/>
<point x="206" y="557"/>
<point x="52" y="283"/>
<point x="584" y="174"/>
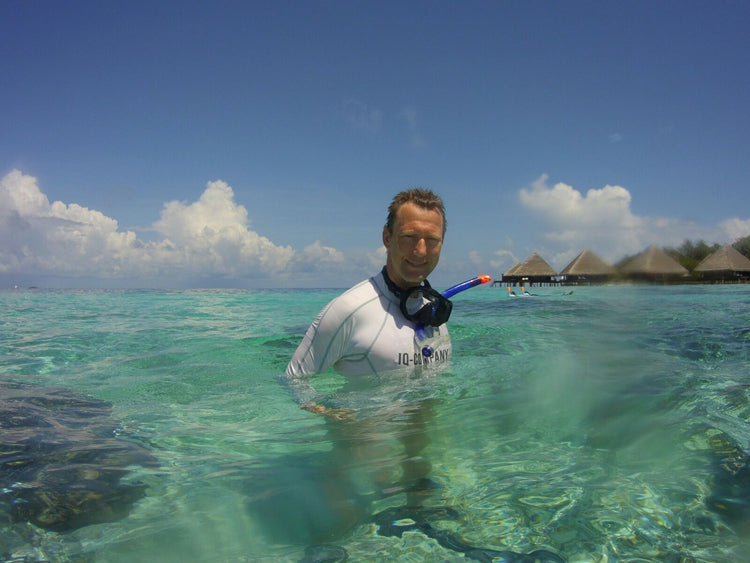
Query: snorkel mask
<point x="421" y="304"/>
<point x="425" y="306"/>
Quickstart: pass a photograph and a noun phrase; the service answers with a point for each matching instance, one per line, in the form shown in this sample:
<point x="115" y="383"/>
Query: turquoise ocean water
<point x="606" y="425"/>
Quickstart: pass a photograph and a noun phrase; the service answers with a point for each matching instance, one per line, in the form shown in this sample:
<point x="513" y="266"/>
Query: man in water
<point x="372" y="329"/>
<point x="364" y="332"/>
<point x="368" y="328"/>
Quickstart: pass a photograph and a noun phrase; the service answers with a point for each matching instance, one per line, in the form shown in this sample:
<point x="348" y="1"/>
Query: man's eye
<point x="431" y="242"/>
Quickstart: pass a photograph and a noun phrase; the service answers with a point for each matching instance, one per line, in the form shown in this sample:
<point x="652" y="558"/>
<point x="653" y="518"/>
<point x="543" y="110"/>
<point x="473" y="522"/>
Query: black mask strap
<point x="431" y="307"/>
<point x="396" y="290"/>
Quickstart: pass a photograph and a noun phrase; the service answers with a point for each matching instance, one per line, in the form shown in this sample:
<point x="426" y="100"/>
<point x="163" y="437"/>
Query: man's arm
<point x="322" y="346"/>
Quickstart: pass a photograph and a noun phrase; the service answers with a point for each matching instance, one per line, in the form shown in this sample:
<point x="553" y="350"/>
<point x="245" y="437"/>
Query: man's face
<point x="414" y="246"/>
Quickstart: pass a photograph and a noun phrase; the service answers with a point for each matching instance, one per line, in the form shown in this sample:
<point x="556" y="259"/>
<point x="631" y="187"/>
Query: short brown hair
<point x="419" y="196"/>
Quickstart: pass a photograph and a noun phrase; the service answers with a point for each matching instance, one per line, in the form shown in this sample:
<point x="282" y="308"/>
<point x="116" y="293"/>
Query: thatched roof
<point x="533" y="266"/>
<point x="726" y="259"/>
<point x="511" y="271"/>
<point x="654" y="262"/>
<point x="587" y="264"/>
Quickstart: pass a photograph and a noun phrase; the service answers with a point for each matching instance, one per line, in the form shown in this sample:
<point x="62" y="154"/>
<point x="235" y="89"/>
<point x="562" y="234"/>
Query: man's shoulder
<point x="363" y="291"/>
<point x="367" y="291"/>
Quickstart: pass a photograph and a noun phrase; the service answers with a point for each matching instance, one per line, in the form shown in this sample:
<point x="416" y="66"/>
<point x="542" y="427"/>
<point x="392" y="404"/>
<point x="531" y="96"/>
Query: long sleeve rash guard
<point x="362" y="331"/>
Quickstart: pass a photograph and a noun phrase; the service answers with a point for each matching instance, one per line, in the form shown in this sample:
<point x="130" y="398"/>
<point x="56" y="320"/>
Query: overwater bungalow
<point x="653" y="264"/>
<point x="585" y="268"/>
<point x="726" y="264"/>
<point x="533" y="270"/>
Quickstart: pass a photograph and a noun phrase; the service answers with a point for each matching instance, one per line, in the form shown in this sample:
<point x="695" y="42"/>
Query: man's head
<point x="413" y="236"/>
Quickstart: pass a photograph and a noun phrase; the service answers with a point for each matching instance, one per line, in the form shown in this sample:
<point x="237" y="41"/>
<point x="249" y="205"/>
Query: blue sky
<point x="258" y="144"/>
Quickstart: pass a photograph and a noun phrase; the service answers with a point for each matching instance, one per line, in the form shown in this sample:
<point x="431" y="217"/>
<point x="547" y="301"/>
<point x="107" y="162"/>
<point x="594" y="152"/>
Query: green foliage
<point x="689" y="253"/>
<point x="742" y="245"/>
<point x="624" y="261"/>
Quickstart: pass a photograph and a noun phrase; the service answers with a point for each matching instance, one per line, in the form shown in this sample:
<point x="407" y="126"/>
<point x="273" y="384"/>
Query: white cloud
<point x="602" y="220"/>
<point x="409" y="115"/>
<point x="564" y="205"/>
<point x="504" y="259"/>
<point x="363" y="117"/>
<point x="214" y="237"/>
<point x="377" y="258"/>
<point x="316" y="252"/>
<point x="59" y="238"/>
<point x="208" y="238"/>
<point x="735" y="228"/>
<point x="319" y="261"/>
<point x="475" y="258"/>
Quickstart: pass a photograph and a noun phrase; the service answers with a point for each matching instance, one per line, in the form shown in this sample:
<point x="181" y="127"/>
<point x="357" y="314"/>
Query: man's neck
<point x="395" y="289"/>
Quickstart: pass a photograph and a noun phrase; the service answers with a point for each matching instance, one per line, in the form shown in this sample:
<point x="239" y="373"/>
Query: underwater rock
<point x="396" y="521"/>
<point x="61" y="465"/>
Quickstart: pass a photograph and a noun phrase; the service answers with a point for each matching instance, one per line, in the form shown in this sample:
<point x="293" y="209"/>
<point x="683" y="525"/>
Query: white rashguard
<point x="362" y="331"/>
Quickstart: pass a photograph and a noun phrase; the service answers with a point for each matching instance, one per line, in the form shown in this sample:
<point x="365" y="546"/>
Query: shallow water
<point x="605" y="425"/>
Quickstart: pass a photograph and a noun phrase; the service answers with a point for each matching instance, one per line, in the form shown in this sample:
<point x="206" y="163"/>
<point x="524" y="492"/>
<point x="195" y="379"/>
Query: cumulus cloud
<point x="207" y="238"/>
<point x="564" y="206"/>
<point x="602" y="217"/>
<point x="213" y="235"/>
<point x="315" y="258"/>
<point x="54" y="237"/>
<point x="603" y="220"/>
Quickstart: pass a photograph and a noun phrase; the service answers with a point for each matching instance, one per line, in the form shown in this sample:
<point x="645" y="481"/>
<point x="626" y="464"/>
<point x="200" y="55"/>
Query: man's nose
<point x="421" y="247"/>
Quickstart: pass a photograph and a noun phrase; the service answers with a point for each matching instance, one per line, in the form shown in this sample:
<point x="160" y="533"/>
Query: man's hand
<point x="335" y="414"/>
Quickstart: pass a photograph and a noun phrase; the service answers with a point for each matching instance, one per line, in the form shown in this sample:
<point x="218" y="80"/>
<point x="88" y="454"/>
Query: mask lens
<point x="416" y="301"/>
<point x="426" y="306"/>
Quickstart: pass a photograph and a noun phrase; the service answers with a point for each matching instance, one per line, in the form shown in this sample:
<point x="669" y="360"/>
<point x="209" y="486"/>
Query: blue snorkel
<point x="419" y="329"/>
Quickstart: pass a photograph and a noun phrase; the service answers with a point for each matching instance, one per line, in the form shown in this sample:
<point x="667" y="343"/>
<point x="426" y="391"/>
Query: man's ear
<point x="386" y="236"/>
